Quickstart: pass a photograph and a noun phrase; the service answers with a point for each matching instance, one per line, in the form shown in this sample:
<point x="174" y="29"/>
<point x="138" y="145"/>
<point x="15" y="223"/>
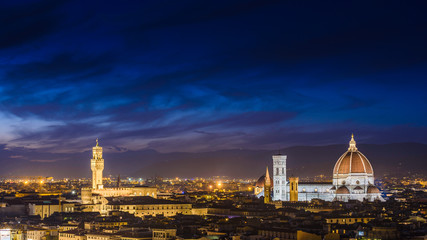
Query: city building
<point x="164" y="234"/>
<point x="143" y="206"/>
<point x="293" y="189"/>
<point x="47" y="208"/>
<point x="279" y="178"/>
<point x="353" y="179"/>
<point x="97" y="192"/>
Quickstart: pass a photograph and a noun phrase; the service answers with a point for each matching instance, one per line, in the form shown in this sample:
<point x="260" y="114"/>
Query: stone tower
<point x="279" y="177"/>
<point x="293" y="189"/>
<point x="97" y="166"/>
<point x="267" y="187"/>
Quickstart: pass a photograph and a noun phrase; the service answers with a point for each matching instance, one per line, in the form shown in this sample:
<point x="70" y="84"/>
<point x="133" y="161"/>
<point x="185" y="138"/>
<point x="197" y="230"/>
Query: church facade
<point x="352" y="179"/>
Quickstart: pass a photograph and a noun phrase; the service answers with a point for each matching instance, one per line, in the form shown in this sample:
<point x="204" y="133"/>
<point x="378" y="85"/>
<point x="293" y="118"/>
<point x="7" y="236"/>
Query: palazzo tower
<point x="97" y="166"/>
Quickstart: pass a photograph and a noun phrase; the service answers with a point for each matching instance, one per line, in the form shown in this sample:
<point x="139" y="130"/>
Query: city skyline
<point x="200" y="77"/>
<point x="308" y="162"/>
<point x="213" y="120"/>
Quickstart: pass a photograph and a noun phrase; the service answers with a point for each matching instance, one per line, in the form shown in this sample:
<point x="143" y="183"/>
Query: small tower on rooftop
<point x="267" y="187"/>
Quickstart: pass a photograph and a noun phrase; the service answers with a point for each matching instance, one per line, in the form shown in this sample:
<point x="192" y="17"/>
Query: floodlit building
<point x="279" y="178"/>
<point x="267" y="187"/>
<point x="353" y="176"/>
<point x="97" y="192"/>
<point x="293" y="189"/>
<point x="353" y="179"/>
<point x="164" y="234"/>
<point x="143" y="206"/>
<point x="47" y="208"/>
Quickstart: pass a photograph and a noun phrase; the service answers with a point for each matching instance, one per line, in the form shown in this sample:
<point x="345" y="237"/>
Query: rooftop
<point x="139" y="200"/>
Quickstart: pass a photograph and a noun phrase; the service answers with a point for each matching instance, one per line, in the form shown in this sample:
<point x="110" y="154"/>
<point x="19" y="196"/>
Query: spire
<point x="267" y="178"/>
<point x="352" y="144"/>
<point x="97" y="142"/>
<point x="267" y="187"/>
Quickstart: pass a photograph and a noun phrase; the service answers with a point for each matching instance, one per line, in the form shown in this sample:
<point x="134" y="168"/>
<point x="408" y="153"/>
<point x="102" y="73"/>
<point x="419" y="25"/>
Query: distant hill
<point x="302" y="161"/>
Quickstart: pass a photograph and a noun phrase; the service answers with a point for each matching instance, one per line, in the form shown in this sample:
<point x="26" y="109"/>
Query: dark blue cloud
<point x="197" y="76"/>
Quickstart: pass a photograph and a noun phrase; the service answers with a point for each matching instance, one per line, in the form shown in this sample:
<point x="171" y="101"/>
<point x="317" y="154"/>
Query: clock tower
<point x="97" y="166"/>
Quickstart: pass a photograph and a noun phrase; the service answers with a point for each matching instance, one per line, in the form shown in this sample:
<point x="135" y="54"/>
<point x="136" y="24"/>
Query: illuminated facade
<point x="97" y="166"/>
<point x="353" y="179"/>
<point x="353" y="176"/>
<point x="267" y="187"/>
<point x="47" y="208"/>
<point x="96" y="195"/>
<point x="279" y="178"/>
<point x="293" y="189"/>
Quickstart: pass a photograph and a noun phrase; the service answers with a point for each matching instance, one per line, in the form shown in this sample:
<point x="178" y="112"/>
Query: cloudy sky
<point x="206" y="75"/>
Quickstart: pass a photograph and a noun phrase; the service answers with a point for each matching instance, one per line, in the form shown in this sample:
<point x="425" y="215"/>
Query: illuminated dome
<point x="261" y="181"/>
<point x="353" y="161"/>
<point x="343" y="190"/>
<point x="353" y="177"/>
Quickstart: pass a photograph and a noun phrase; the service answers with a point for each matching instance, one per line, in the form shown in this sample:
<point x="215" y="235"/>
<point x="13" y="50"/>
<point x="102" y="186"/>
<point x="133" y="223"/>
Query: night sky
<point x="197" y="76"/>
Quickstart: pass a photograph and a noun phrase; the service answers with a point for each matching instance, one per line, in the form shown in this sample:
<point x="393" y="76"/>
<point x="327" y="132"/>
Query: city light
<point x="251" y="105"/>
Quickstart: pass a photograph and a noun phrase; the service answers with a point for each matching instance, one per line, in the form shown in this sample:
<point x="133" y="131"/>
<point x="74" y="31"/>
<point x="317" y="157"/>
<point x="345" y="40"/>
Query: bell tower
<point x="267" y="187"/>
<point x="279" y="177"/>
<point x="97" y="166"/>
<point x="293" y="189"/>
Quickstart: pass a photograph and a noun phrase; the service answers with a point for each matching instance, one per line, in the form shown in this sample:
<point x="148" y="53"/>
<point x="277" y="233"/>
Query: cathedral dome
<point x="373" y="189"/>
<point x="343" y="190"/>
<point x="261" y="181"/>
<point x="353" y="161"/>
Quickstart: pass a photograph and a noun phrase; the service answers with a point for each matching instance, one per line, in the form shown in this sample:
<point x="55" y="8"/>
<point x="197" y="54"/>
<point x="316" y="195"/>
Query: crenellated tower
<point x="97" y="166"/>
